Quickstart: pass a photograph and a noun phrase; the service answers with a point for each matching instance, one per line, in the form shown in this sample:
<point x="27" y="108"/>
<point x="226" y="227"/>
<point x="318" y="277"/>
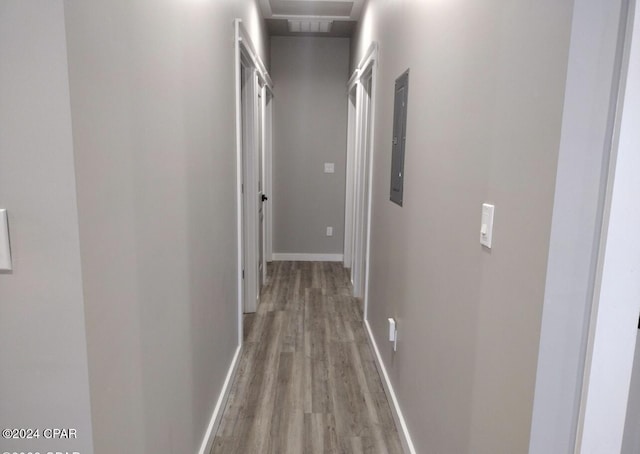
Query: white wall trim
<point x="361" y="176"/>
<point x="578" y="207"/>
<point x="613" y="329"/>
<point x="369" y="56"/>
<point x="245" y="52"/>
<point x="371" y="61"/>
<point x="216" y="416"/>
<point x="239" y="177"/>
<point x="367" y="68"/>
<point x="357" y="194"/>
<point x="350" y="183"/>
<point x="353" y="80"/>
<point x="398" y="417"/>
<point x="294" y="257"/>
<point x="268" y="172"/>
<point x="243" y="37"/>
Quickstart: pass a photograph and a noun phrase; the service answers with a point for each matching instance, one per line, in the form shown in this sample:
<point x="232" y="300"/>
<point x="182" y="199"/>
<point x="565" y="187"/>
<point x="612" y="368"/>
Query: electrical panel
<point x="399" y="137"/>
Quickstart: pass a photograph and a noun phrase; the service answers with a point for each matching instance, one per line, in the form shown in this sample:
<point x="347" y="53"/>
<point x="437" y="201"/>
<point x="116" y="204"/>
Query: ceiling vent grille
<point x="310" y="26"/>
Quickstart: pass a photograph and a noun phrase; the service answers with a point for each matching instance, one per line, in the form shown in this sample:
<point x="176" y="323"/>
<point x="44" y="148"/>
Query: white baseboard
<point x="287" y="257"/>
<point x="207" y="441"/>
<point x="405" y="437"/>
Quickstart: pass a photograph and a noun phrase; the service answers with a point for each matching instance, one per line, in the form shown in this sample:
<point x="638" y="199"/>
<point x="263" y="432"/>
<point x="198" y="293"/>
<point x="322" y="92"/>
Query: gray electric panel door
<point x="399" y="137"/>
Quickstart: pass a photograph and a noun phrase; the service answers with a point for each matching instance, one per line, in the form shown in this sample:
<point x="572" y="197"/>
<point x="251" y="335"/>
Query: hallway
<point x="307" y="381"/>
<point x="442" y="193"/>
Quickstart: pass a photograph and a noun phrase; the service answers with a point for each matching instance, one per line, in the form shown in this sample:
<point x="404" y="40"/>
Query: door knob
<point x="264" y="198"/>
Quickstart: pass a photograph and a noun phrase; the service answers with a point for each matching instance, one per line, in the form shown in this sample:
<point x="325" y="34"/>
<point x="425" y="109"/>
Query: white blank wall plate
<point x="5" y="247"/>
<point x="486" y="225"/>
<point x="329" y="167"/>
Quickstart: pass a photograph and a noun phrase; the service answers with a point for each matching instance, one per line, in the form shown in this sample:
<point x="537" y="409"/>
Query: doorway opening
<point x="359" y="173"/>
<point x="253" y="94"/>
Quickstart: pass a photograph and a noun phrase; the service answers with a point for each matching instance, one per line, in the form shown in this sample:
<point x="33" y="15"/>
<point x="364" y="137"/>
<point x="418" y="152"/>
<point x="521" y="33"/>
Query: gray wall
<point x="152" y="98"/>
<point x="485" y="109"/>
<point x="310" y="128"/>
<point x="43" y="357"/>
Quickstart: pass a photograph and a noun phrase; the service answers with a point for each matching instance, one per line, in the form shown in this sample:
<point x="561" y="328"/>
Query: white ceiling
<point x="318" y="9"/>
<point x="339" y="29"/>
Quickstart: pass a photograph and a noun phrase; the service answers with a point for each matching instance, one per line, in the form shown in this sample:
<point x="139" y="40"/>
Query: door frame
<point x="352" y="99"/>
<point x="616" y="303"/>
<point x="268" y="174"/>
<point x="362" y="176"/>
<point x="260" y="190"/>
<point x="578" y="235"/>
<point x="360" y="159"/>
<point x="250" y="90"/>
<point x="246" y="168"/>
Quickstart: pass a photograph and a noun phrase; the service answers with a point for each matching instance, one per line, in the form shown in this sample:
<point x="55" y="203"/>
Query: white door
<point x="250" y="186"/>
<point x="267" y="182"/>
<point x="261" y="196"/>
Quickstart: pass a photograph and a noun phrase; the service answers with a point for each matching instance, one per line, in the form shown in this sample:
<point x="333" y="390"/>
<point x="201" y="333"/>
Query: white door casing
<point x="268" y="172"/>
<point x="360" y="159"/>
<point x="613" y="332"/>
<point x="251" y="76"/>
<point x="350" y="178"/>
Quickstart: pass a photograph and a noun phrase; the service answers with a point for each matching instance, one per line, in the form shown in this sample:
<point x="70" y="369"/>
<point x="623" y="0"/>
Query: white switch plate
<point x="393" y="333"/>
<point x="486" y="225"/>
<point x="329" y="167"/>
<point x="5" y="247"/>
<point x="329" y="231"/>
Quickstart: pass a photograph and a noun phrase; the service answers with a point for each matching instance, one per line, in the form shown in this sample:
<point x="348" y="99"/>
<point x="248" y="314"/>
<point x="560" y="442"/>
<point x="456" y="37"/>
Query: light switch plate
<point x="5" y="247"/>
<point x="393" y="333"/>
<point x="329" y="231"/>
<point x="392" y="329"/>
<point x="329" y="167"/>
<point x="486" y="225"/>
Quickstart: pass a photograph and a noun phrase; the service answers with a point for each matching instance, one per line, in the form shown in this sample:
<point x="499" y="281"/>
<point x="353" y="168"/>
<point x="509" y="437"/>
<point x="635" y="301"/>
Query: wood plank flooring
<point x="306" y="381"/>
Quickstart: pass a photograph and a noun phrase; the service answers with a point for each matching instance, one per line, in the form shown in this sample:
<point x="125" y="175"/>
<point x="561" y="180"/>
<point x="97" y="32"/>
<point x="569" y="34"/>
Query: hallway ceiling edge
<point x="311" y="17"/>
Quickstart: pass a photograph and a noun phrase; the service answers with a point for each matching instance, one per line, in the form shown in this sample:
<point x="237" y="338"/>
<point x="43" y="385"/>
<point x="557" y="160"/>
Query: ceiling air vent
<point x="310" y="26"/>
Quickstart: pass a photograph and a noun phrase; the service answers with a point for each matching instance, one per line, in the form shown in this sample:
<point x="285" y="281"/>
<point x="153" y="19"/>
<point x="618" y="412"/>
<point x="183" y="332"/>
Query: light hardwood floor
<point x="307" y="381"/>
